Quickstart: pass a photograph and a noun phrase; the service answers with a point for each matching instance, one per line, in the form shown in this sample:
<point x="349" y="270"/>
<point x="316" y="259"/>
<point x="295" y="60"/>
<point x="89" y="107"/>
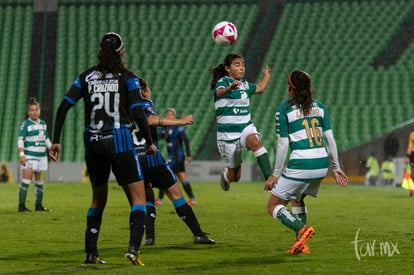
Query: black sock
<point x="137" y="225"/>
<point x="161" y="194"/>
<point x="151" y="213"/>
<point x="185" y="212"/>
<point x="150" y="222"/>
<point x="93" y="226"/>
<point x="188" y="189"/>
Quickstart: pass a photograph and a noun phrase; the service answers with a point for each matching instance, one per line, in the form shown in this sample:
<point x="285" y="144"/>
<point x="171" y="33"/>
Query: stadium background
<point x="359" y="53"/>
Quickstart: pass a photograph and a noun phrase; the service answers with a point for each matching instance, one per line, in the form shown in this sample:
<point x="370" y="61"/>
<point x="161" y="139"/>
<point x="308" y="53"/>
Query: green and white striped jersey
<point x="233" y="109"/>
<point x="34" y="136"/>
<point x="308" y="159"/>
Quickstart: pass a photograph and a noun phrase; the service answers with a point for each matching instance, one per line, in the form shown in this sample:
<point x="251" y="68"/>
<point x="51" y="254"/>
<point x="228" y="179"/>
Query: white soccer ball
<point x="224" y="33"/>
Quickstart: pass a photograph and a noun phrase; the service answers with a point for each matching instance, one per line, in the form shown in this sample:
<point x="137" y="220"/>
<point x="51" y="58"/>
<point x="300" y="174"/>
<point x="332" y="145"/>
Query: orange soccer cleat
<point x="304" y="235"/>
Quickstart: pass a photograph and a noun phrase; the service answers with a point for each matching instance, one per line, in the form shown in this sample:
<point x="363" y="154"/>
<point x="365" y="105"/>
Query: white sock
<point x="277" y="209"/>
<point x="299" y="210"/>
<point x="225" y="175"/>
<point x="259" y="152"/>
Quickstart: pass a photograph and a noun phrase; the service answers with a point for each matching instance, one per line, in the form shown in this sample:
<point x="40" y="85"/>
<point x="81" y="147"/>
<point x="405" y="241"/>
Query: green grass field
<point x="249" y="241"/>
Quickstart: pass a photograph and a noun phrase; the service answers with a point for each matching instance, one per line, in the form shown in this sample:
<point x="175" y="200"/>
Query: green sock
<point x="264" y="164"/>
<point x="38" y="193"/>
<point x="302" y="217"/>
<point x="282" y="214"/>
<point x="300" y="213"/>
<point x="23" y="192"/>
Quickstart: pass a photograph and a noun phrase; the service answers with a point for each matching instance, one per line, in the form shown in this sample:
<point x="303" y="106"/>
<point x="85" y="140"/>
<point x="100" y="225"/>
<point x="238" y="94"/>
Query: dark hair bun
<point x="113" y="40"/>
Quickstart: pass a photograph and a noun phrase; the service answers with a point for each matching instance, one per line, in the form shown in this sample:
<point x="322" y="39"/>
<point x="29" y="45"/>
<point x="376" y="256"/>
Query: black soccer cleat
<point x="23" y="208"/>
<point x="150" y="241"/>
<point x="92" y="259"/>
<point x="203" y="239"/>
<point x="40" y="207"/>
<point x="133" y="256"/>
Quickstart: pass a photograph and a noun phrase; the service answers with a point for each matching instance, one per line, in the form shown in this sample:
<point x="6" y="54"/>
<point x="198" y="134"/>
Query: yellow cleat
<point x="134" y="257"/>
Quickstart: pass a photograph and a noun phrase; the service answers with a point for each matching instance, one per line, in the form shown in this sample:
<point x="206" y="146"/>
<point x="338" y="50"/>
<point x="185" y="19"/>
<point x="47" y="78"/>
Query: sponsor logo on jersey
<point x="98" y="85"/>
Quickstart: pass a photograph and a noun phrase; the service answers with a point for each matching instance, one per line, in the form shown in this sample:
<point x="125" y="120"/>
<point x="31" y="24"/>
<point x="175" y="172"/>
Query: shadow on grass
<point x="236" y="258"/>
<point x="232" y="261"/>
<point x="70" y="262"/>
<point x="238" y="264"/>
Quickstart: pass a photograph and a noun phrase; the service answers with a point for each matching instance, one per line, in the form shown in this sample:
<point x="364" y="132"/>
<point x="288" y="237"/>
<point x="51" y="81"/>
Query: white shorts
<point x="39" y="164"/>
<point x="251" y="129"/>
<point x="231" y="151"/>
<point x="287" y="189"/>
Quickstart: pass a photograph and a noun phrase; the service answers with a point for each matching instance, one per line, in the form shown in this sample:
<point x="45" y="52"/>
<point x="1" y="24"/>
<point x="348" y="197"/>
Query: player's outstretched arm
<point x="262" y="84"/>
<point x="162" y="121"/>
<point x="54" y="151"/>
<point x="223" y="91"/>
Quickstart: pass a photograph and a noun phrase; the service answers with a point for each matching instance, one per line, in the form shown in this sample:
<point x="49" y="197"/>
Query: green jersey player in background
<point x="235" y="129"/>
<point x="33" y="142"/>
<point x="302" y="124"/>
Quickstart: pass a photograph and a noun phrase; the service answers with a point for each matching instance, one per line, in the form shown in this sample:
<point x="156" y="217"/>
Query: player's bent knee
<point x="174" y="192"/>
<point x="270" y="209"/>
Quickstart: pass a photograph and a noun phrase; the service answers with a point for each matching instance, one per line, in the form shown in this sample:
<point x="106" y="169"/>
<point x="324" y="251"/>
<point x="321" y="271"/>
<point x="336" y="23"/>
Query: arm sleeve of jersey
<point x="252" y="88"/>
<point x="22" y="134"/>
<point x="221" y="84"/>
<point x="282" y="150"/>
<point x="20" y="142"/>
<point x="326" y="122"/>
<point x="70" y="99"/>
<point x="332" y="150"/>
<point x="142" y="122"/>
<point x="187" y="147"/>
<point x="184" y="138"/>
<point x="64" y="107"/>
<point x="281" y="124"/>
<point x="48" y="143"/>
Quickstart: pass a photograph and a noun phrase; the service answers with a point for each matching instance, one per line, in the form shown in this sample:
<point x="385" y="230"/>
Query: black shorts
<point x="100" y="158"/>
<point x="177" y="166"/>
<point x="156" y="171"/>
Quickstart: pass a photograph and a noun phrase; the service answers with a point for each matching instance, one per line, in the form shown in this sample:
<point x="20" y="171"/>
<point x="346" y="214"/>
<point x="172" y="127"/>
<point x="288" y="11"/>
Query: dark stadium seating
<point x="169" y="43"/>
<point x="336" y="42"/>
<point x="164" y="44"/>
<point x="16" y="30"/>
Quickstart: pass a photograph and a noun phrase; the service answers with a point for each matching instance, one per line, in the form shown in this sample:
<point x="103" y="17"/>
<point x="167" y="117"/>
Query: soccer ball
<point x="224" y="33"/>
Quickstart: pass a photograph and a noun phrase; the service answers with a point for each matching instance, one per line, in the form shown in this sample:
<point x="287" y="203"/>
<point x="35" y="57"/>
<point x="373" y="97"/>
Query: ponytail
<point x="109" y="55"/>
<point x="300" y="84"/>
<point x="218" y="72"/>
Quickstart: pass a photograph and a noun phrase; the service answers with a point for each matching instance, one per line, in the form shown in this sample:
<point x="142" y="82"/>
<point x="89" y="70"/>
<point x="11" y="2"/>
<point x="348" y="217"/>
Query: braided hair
<point x="109" y="55"/>
<point x="300" y="84"/>
<point x="220" y="70"/>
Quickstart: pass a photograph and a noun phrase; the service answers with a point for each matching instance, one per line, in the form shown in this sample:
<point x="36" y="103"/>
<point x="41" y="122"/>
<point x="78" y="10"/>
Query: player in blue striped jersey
<point x="302" y="124"/>
<point x="177" y="139"/>
<point x="111" y="96"/>
<point x="158" y="174"/>
<point x="235" y="128"/>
